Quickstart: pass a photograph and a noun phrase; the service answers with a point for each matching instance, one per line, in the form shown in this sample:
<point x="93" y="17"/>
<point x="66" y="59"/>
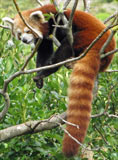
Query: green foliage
<point x="30" y="103"/>
<point x="108" y="1"/>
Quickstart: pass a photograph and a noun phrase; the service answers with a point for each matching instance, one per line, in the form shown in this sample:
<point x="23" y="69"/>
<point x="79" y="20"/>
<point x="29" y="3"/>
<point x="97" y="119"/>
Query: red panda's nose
<point x="25" y="40"/>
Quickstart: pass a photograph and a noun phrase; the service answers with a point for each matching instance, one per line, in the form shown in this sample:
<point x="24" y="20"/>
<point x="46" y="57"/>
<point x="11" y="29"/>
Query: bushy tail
<point x="80" y="98"/>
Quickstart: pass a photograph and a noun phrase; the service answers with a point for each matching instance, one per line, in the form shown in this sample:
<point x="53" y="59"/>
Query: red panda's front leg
<point x="64" y="52"/>
<point x="44" y="52"/>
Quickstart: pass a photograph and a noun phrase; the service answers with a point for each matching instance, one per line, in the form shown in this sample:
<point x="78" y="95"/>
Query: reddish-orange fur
<point x="83" y="75"/>
<point x="80" y="98"/>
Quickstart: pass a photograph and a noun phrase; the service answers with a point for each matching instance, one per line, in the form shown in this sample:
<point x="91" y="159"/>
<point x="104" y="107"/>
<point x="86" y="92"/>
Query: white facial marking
<point x="19" y="30"/>
<point x="39" y="34"/>
<point x="26" y="29"/>
<point x="18" y="34"/>
<point x="8" y="21"/>
<point x="27" y="38"/>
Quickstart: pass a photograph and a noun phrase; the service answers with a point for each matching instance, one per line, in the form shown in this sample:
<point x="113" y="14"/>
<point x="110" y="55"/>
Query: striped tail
<point x="80" y="99"/>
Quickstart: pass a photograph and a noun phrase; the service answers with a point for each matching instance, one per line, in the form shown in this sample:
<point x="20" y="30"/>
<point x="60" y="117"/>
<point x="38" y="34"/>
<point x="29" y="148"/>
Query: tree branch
<point x="66" y="4"/>
<point x="86" y="5"/>
<point x="107" y="41"/>
<point x="32" y="54"/>
<point x="111" y="17"/>
<point x="40" y="3"/>
<point x="31" y="127"/>
<point x="109" y="53"/>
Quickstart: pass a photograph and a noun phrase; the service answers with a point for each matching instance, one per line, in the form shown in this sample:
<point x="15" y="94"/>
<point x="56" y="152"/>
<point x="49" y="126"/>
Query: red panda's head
<point x="35" y="19"/>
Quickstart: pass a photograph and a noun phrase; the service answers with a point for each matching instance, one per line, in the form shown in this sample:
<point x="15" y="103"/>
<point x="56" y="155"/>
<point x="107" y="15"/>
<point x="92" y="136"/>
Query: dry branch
<point x="107" y="42"/>
<point x="111" y="17"/>
<point x="66" y="4"/>
<point x="40" y="3"/>
<point x="31" y="127"/>
<point x="32" y="54"/>
<point x="86" y="5"/>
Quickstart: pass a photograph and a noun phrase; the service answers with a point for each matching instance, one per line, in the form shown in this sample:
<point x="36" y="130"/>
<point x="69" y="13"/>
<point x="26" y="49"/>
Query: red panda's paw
<point x="38" y="81"/>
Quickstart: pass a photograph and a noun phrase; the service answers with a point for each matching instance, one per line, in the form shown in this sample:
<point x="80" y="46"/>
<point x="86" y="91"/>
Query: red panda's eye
<point x="19" y="35"/>
<point x="28" y="31"/>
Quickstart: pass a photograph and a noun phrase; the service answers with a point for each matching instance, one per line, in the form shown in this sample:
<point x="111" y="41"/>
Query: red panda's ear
<point x="38" y="16"/>
<point x="8" y="21"/>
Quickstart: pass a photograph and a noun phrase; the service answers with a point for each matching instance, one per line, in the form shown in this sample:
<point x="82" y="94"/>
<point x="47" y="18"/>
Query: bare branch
<point x="107" y="42"/>
<point x="111" y="71"/>
<point x="112" y="115"/>
<point x="103" y="137"/>
<point x="109" y="53"/>
<point x="55" y="3"/>
<point x="86" y="5"/>
<point x="40" y="3"/>
<point x="82" y="145"/>
<point x="32" y="54"/>
<point x="66" y="4"/>
<point x="72" y="14"/>
<point x="111" y="17"/>
<point x="69" y="26"/>
<point x="31" y="127"/>
<point x="107" y="105"/>
<point x="67" y="23"/>
<point x="69" y="123"/>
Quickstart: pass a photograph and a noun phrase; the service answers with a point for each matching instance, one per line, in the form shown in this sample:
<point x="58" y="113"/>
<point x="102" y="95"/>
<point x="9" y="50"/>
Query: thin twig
<point x="69" y="26"/>
<point x="107" y="42"/>
<point x="55" y="4"/>
<point x="109" y="18"/>
<point x="72" y="14"/>
<point x="103" y="137"/>
<point x="109" y="53"/>
<point x="66" y="4"/>
<point x="112" y="115"/>
<point x="82" y="145"/>
<point x="111" y="71"/>
<point x="41" y="4"/>
<point x="86" y="5"/>
<point x="33" y="52"/>
<point x="69" y="123"/>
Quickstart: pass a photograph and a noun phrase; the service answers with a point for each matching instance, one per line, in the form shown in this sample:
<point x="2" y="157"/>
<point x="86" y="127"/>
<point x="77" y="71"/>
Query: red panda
<point x="85" y="29"/>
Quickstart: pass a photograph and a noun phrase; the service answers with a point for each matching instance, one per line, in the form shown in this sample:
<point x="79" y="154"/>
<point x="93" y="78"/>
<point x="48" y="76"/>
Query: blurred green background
<point x="30" y="103"/>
